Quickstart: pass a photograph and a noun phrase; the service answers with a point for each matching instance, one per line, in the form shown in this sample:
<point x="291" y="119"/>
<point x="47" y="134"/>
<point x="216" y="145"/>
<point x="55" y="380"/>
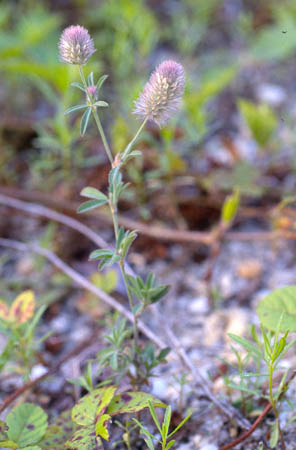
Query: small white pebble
<point x="209" y="447"/>
<point x="38" y="371"/>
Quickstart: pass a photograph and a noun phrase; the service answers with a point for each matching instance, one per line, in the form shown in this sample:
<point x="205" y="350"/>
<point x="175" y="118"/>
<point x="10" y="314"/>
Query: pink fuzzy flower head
<point x="76" y="46"/>
<point x="92" y="90"/>
<point x="162" y="94"/>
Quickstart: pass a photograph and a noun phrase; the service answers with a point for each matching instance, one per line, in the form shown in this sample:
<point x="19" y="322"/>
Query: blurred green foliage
<point x="260" y="119"/>
<point x="215" y="40"/>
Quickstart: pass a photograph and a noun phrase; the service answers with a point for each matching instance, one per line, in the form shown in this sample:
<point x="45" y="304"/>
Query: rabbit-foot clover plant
<point x="159" y="100"/>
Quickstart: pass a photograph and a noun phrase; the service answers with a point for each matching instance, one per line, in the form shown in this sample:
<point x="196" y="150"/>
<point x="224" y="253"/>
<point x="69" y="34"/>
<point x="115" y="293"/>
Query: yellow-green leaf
<point x="22" y="309"/>
<point x="130" y="402"/>
<point x="102" y="426"/>
<point x="4" y="311"/>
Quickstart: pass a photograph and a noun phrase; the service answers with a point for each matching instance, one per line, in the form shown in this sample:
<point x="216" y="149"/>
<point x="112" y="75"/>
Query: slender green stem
<point x="96" y="116"/>
<point x="273" y="404"/>
<point x="270" y="390"/>
<point x="113" y="207"/>
<point x="131" y="304"/>
<point x="131" y="143"/>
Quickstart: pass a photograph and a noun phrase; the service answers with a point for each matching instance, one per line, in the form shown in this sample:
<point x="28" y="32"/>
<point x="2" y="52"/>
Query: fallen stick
<point x="226" y="408"/>
<point x="155" y="232"/>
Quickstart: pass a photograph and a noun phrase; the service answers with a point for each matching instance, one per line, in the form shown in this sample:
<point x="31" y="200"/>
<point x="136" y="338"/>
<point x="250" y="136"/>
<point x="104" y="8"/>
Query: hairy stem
<point x="131" y="143"/>
<point x="96" y="116"/>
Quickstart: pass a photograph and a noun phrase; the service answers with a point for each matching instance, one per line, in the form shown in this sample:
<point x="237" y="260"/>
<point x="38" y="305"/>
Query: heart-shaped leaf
<point x="281" y="302"/>
<point x="27" y="424"/>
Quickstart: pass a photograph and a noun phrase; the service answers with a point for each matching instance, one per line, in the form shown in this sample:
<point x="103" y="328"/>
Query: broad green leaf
<point x="260" y="119"/>
<point x="105" y="281"/>
<point x="280" y="301"/>
<point x="27" y="424"/>
<point x="85" y="439"/>
<point x="131" y="402"/>
<point x="92" y="405"/>
<point x="22" y="309"/>
<point x="58" y="433"/>
<point x="270" y="43"/>
<point x="84" y="121"/>
<point x="102" y="426"/>
<point x="74" y="108"/>
<point x="90" y="204"/>
<point x="94" y="193"/>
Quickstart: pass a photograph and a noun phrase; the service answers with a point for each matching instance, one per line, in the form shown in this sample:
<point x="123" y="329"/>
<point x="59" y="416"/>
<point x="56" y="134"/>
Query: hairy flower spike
<point x="76" y="46"/>
<point x="162" y="94"/>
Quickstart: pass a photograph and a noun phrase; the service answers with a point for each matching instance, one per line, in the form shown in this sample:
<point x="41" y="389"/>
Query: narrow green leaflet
<point x="101" y="104"/>
<point x="84" y="121"/>
<point x="245" y="343"/>
<point x="93" y="193"/>
<point x="101" y="81"/>
<point x="74" y="108"/>
<point x="242" y="388"/>
<point x="101" y="253"/>
<point x="148" y="435"/>
<point x="27" y="424"/>
<point x="90" y="204"/>
<point x="280" y="301"/>
<point x="90" y="79"/>
<point x="78" y="85"/>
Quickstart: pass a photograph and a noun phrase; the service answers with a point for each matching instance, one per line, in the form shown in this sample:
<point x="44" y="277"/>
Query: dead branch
<point x="155" y="232"/>
<point x="83" y="282"/>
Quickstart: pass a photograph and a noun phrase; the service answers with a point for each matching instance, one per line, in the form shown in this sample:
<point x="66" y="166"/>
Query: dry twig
<point x="155" y="232"/>
<point x="83" y="282"/>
